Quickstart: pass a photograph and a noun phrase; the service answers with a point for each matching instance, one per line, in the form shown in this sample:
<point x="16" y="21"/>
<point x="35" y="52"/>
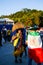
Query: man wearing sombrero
<point x="17" y="37"/>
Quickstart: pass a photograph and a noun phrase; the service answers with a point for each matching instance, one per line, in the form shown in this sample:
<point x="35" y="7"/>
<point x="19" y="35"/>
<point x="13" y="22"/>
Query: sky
<point x="8" y="7"/>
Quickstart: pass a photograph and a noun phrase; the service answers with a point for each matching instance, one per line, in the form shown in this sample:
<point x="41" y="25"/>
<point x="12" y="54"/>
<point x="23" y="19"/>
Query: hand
<point x="11" y="41"/>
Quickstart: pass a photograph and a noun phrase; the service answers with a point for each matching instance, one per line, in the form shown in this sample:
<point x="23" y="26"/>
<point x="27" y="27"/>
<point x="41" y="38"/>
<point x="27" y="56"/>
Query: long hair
<point x="23" y="33"/>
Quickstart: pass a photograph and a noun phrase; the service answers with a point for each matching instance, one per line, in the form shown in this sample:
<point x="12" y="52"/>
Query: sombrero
<point x="17" y="26"/>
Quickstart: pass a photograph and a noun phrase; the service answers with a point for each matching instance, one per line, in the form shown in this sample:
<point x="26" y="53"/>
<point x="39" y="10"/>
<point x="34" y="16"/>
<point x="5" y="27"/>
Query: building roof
<point x="6" y="19"/>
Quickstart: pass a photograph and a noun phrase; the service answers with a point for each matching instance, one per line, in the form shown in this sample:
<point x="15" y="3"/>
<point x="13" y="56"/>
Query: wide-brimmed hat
<point x="17" y="26"/>
<point x="34" y="28"/>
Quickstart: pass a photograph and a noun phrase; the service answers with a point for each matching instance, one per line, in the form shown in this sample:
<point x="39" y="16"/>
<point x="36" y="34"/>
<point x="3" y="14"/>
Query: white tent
<point x="7" y="20"/>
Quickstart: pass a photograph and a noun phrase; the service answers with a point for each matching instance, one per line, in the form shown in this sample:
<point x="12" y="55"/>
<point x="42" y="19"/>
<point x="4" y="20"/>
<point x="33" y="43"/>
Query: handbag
<point x="19" y="51"/>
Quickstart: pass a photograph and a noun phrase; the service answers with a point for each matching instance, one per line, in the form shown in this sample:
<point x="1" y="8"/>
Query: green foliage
<point x="27" y="16"/>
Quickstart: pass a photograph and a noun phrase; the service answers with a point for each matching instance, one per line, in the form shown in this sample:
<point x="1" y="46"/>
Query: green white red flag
<point x="35" y="50"/>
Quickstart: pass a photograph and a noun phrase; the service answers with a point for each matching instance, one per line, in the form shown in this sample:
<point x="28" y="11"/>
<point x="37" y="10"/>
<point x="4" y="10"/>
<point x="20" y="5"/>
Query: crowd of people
<point x="24" y="40"/>
<point x="5" y="34"/>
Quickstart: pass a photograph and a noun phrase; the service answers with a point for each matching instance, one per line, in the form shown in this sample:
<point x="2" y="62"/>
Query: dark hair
<point x="19" y="29"/>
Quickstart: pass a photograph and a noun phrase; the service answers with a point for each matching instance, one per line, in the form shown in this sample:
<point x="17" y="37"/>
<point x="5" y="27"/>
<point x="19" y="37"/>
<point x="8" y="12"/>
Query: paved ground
<point x="7" y="58"/>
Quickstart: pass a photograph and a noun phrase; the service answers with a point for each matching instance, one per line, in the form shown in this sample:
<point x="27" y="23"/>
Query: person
<point x="34" y="47"/>
<point x="8" y="35"/>
<point x="41" y="34"/>
<point x="19" y="44"/>
<point x="4" y="33"/>
<point x="0" y="38"/>
<point x="24" y="41"/>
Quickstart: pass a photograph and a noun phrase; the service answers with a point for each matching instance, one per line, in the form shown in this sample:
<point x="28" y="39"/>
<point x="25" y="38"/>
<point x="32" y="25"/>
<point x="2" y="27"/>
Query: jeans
<point x="30" y="62"/>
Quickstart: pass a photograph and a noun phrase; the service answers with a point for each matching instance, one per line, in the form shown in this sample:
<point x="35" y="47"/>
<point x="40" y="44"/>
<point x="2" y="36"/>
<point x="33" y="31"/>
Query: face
<point x="19" y="31"/>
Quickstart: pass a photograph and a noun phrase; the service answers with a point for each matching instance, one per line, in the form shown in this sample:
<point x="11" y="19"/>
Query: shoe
<point x="20" y="60"/>
<point x="16" y="61"/>
<point x="1" y="45"/>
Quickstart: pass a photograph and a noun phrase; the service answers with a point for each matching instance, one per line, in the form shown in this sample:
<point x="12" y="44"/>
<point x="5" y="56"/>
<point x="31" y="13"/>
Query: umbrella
<point x="17" y="26"/>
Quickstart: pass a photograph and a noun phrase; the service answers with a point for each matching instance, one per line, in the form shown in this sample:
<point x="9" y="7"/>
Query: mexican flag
<point x="35" y="50"/>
